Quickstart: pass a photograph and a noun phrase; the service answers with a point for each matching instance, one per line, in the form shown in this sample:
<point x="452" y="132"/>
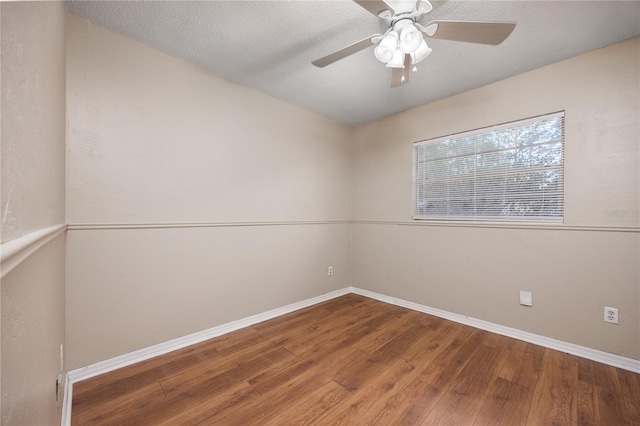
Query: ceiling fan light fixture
<point x="398" y="59"/>
<point x="422" y="52"/>
<point x="383" y="54"/>
<point x="388" y="44"/>
<point x="403" y="45"/>
<point x="410" y="38"/>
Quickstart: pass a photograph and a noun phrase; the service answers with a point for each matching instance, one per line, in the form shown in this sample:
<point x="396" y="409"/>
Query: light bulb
<point x="415" y="69"/>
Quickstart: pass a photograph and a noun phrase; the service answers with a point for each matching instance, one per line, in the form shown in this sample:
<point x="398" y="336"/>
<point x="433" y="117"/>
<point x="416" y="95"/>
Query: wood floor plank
<point x="159" y="362"/>
<point x="466" y="395"/>
<point x="507" y="404"/>
<point x="358" y="361"/>
<point x="392" y="377"/>
<point x="446" y="366"/>
<point x="355" y="374"/>
<point x="244" y="370"/>
<point x="334" y="354"/>
<point x="630" y="390"/>
<point x="196" y="393"/>
<point x="555" y="395"/>
<point x="121" y="410"/>
<point x="388" y="332"/>
<point x="202" y="409"/>
<point x="301" y="314"/>
<point x="327" y="330"/>
<point x="318" y="403"/>
<point x="523" y="365"/>
<point x="257" y="338"/>
<point x="348" y="302"/>
<point x="273" y="335"/>
<point x="129" y="379"/>
<point x="499" y="342"/>
<point x="410" y="405"/>
<point x="371" y="400"/>
<point x="221" y="343"/>
<point x="291" y="393"/>
<point x="597" y="374"/>
<point x="301" y="323"/>
<point x="390" y="316"/>
<point x="413" y="402"/>
<point x="597" y="406"/>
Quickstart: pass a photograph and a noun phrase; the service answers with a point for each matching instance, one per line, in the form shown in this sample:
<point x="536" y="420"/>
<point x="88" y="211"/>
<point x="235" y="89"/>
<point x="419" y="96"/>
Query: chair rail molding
<point x="16" y="251"/>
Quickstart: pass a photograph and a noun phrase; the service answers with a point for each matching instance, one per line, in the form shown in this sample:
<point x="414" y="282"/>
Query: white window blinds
<point x="509" y="172"/>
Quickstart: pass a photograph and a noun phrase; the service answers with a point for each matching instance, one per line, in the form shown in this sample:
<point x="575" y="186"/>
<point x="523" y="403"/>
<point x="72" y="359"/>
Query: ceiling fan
<point x="403" y="44"/>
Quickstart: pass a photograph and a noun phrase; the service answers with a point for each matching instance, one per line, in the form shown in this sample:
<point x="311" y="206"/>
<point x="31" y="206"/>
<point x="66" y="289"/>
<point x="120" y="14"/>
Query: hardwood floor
<point x="358" y="361"/>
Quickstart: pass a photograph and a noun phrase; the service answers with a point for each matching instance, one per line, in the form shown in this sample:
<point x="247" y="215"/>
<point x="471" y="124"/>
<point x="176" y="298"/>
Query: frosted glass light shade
<point x="384" y="51"/>
<point x="425" y="6"/>
<point x="398" y="59"/>
<point x="422" y="52"/>
<point x="410" y="38"/>
<point x="383" y="54"/>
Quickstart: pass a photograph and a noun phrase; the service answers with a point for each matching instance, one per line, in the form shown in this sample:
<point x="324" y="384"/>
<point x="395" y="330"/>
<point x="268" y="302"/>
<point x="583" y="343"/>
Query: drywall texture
<point x="154" y="139"/>
<point x="478" y="272"/>
<point x="33" y="118"/>
<point x="32" y="198"/>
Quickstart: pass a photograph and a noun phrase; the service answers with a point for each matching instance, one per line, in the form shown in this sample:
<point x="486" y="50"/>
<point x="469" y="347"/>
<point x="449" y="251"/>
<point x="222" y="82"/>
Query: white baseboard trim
<point x="547" y="342"/>
<point x="181" y="342"/>
<point x="65" y="420"/>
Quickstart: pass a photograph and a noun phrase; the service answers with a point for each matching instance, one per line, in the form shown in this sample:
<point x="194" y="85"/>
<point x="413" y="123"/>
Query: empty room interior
<point x="320" y="212"/>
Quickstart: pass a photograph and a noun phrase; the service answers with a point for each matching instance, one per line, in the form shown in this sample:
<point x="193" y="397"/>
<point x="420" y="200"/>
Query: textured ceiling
<point x="269" y="45"/>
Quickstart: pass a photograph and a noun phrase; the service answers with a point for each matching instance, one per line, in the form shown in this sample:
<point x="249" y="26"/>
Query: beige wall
<point x="33" y="118"/>
<point x="153" y="139"/>
<point x="477" y="271"/>
<point x="33" y="184"/>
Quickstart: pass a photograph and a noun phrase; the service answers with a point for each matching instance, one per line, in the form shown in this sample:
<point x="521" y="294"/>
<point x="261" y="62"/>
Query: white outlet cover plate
<point x="526" y="299"/>
<point x="613" y="318"/>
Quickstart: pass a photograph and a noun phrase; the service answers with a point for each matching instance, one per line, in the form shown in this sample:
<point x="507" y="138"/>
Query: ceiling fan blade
<point x="344" y="52"/>
<point x="400" y="76"/>
<point x="472" y="32"/>
<point x="374" y="6"/>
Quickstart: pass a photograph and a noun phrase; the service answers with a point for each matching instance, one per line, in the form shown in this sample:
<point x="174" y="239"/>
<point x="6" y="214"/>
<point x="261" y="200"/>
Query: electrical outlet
<point x="330" y="270"/>
<point x="611" y="315"/>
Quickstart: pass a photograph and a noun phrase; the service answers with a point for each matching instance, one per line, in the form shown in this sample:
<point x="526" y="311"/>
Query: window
<point x="509" y="172"/>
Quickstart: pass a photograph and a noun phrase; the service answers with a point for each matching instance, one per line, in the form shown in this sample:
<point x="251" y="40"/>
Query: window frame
<point x="540" y="220"/>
